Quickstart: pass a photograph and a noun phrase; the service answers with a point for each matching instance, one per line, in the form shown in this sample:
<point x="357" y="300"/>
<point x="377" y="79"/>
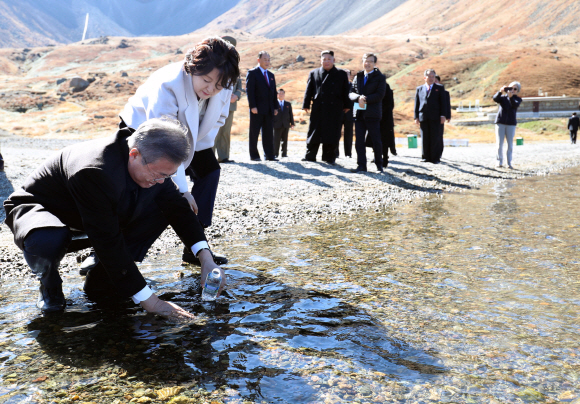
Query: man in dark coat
<point x="368" y="90"/>
<point x="573" y="123"/>
<point x="430" y="109"/>
<point x="327" y="90"/>
<point x="348" y="122"/>
<point x="261" y="92"/>
<point x="388" y="126"/>
<point x="118" y="192"/>
<point x="283" y="121"/>
<point x="447" y="98"/>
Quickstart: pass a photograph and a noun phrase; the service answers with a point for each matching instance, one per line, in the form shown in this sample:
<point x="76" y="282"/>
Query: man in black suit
<point x="368" y="90"/>
<point x="283" y="121"/>
<point x="348" y="121"/>
<point x="388" y="125"/>
<point x="447" y="97"/>
<point x="327" y="90"/>
<point x="430" y="111"/>
<point x="573" y="123"/>
<point x="117" y="191"/>
<point x="261" y="92"/>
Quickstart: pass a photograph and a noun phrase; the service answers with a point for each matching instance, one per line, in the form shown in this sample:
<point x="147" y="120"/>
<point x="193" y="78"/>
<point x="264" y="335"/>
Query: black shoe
<point x="284" y="155"/>
<point x="332" y="163"/>
<point x="98" y="285"/>
<point x="51" y="300"/>
<point x="385" y="164"/>
<point x="89" y="263"/>
<point x="372" y="161"/>
<point x="357" y="170"/>
<point x="305" y="159"/>
<point x="190" y="258"/>
<point x="272" y="159"/>
<point x="393" y="152"/>
<point x="256" y="159"/>
<point x="380" y="169"/>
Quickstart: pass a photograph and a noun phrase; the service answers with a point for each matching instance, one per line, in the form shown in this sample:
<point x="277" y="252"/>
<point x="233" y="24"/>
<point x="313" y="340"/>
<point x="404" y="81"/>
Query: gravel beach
<point x="257" y="197"/>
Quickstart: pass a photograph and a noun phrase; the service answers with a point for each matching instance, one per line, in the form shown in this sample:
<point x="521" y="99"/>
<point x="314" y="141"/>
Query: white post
<point x="86" y="26"/>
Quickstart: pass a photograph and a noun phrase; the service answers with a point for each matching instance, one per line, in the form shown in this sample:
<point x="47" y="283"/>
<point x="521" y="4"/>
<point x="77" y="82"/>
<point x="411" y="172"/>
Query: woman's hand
<point x="166" y="309"/>
<point x="191" y="201"/>
<point x="362" y="101"/>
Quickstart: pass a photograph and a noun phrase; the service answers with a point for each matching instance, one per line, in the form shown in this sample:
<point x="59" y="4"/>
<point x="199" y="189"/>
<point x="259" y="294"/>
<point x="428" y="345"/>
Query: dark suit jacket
<point x="447" y="104"/>
<point x="260" y="95"/>
<point x="373" y="90"/>
<point x="430" y="108"/>
<point x="388" y="104"/>
<point x="573" y="123"/>
<point x="285" y="118"/>
<point x="87" y="187"/>
<point x="329" y="96"/>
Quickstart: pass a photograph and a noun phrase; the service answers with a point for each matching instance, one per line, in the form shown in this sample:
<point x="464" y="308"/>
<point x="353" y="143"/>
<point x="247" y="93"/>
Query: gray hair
<point x="516" y="84"/>
<point x="428" y="72"/>
<point x="161" y="138"/>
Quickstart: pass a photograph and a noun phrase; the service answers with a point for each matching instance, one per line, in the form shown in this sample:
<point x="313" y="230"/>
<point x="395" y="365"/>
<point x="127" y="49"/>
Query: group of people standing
<point x="332" y="102"/>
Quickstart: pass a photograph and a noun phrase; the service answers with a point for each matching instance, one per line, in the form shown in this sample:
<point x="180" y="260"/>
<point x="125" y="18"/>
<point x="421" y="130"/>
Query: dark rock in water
<point x="78" y="84"/>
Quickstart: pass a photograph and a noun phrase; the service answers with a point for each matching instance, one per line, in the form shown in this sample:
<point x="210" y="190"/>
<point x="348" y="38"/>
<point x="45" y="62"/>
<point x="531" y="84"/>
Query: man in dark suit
<point x="283" y="121"/>
<point x="573" y="123"/>
<point x="447" y="97"/>
<point x="388" y="125"/>
<point x="368" y="90"/>
<point x="117" y="191"/>
<point x="347" y="120"/>
<point x="261" y="92"/>
<point x="327" y="90"/>
<point x="430" y="109"/>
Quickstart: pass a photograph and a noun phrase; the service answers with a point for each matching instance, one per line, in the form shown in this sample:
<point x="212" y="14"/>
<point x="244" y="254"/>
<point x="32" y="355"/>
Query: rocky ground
<point x="258" y="197"/>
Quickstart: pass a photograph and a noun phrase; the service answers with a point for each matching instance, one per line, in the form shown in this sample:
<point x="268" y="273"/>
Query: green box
<point x="412" y="141"/>
<point x="519" y="141"/>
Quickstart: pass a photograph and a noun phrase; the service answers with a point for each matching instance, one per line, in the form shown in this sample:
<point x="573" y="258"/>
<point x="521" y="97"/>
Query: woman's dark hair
<point x="214" y="53"/>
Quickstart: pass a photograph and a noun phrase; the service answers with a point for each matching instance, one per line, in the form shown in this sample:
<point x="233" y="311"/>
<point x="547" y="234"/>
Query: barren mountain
<point x="28" y="23"/>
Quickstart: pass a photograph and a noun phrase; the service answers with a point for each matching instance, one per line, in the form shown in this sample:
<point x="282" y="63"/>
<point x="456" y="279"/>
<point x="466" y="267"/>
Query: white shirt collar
<point x="263" y="70"/>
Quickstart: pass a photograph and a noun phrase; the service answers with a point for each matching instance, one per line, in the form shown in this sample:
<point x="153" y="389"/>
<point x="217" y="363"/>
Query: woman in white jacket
<point x="197" y="92"/>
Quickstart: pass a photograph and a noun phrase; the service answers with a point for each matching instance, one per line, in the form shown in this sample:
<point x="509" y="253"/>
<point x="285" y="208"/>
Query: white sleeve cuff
<point x="181" y="180"/>
<point x="143" y="294"/>
<point x="199" y="246"/>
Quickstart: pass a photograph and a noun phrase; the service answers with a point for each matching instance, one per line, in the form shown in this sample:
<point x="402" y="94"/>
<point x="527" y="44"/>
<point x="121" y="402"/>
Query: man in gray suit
<point x="223" y="138"/>
<point x="282" y="124"/>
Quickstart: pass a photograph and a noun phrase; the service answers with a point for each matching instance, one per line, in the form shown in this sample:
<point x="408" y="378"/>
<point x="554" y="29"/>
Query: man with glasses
<point x="115" y="191"/>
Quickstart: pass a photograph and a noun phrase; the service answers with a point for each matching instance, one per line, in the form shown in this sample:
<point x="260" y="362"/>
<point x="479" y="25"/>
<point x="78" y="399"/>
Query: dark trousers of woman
<point x="373" y="126"/>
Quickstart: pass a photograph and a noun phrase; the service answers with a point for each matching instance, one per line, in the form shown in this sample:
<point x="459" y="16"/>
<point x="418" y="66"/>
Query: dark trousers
<point x="45" y="247"/>
<point x="348" y="126"/>
<point x="281" y="135"/>
<point x="204" y="172"/>
<point x="373" y="127"/>
<point x="328" y="149"/>
<point x="263" y="122"/>
<point x="573" y="134"/>
<point x="430" y="138"/>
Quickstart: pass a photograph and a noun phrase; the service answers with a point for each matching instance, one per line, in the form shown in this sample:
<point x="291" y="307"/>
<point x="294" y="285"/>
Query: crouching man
<point x="118" y="191"/>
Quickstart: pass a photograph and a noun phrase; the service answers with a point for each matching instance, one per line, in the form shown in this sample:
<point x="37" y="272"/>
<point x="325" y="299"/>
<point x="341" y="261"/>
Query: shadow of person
<point x="264" y="339"/>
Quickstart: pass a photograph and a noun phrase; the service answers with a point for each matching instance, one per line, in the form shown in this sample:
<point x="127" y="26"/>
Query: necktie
<point x="266" y="77"/>
<point x="365" y="81"/>
<point x="281" y="105"/>
<point x="428" y="91"/>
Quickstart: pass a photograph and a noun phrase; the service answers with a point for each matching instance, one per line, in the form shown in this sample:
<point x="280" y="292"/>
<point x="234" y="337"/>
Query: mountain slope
<point x="482" y="20"/>
<point x="276" y="19"/>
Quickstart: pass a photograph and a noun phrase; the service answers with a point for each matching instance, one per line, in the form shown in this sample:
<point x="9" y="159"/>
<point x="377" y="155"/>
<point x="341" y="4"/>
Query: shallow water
<point x="469" y="298"/>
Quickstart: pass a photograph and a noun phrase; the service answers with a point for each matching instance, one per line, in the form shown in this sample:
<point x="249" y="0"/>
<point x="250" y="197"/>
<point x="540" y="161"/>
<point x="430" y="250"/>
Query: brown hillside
<point x="31" y="103"/>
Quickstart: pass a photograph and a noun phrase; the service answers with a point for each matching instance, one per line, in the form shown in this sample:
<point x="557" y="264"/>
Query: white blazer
<point x="169" y="92"/>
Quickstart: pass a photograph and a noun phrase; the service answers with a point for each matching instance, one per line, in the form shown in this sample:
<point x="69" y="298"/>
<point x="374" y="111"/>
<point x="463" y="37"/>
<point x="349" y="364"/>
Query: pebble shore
<point x="258" y="197"/>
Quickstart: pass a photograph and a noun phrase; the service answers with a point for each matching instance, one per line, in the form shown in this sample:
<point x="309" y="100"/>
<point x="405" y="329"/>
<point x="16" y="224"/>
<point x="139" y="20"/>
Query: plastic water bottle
<point x="211" y="286"/>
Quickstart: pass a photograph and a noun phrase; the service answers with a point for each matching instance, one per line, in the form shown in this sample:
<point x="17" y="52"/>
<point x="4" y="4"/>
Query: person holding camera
<point x="505" y="122"/>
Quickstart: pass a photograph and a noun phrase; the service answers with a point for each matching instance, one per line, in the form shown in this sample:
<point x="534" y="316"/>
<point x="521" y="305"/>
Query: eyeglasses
<point x="160" y="179"/>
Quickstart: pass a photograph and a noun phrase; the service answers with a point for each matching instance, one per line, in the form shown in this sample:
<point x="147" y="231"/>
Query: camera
<point x="508" y="89"/>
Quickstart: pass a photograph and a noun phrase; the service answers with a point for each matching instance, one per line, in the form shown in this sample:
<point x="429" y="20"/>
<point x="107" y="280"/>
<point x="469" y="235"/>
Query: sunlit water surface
<point x="470" y="298"/>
